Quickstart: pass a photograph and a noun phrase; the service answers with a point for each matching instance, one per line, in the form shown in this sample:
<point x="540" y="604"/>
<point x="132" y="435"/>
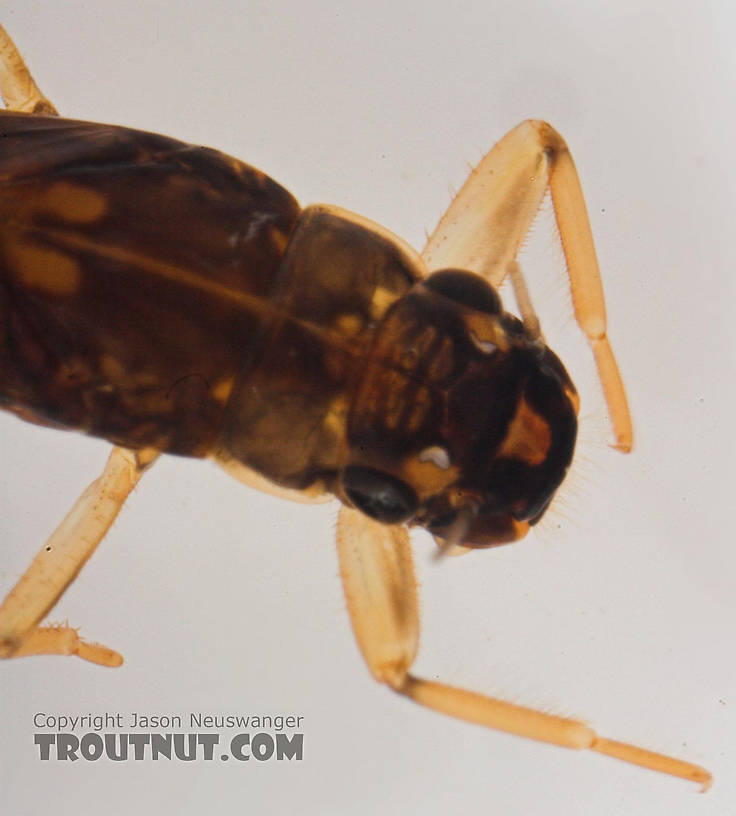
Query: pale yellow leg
<point x="77" y="537"/>
<point x="19" y="91"/>
<point x="380" y="588"/>
<point x="488" y="219"/>
<point x="61" y="559"/>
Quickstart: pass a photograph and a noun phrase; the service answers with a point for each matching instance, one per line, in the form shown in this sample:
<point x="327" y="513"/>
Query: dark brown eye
<point x="379" y="495"/>
<point x="465" y="288"/>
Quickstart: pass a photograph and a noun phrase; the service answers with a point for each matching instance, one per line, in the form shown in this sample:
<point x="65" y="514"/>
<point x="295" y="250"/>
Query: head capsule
<point x="462" y="423"/>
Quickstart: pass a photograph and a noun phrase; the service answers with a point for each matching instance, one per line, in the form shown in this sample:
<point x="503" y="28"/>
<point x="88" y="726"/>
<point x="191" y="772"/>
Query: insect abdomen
<point x="136" y="276"/>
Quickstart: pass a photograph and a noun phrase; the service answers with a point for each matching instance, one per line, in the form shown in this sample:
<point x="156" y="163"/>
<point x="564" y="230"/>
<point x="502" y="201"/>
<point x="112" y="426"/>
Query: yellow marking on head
<point x="528" y="437"/>
<point x="572" y="395"/>
<point x="426" y="477"/>
<point x="43" y="269"/>
<point x="73" y="203"/>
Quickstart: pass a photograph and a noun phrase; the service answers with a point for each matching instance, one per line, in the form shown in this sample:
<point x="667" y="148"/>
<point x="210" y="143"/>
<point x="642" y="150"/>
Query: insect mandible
<point x="171" y="299"/>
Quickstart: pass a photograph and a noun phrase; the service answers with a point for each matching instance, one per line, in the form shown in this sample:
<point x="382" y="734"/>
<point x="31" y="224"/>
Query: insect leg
<point x="380" y="588"/>
<point x="19" y="91"/>
<point x="488" y="219"/>
<point x="61" y="559"/>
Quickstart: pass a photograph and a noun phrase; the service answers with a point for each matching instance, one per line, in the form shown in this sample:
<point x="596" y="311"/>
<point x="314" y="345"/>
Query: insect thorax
<point x="382" y="387"/>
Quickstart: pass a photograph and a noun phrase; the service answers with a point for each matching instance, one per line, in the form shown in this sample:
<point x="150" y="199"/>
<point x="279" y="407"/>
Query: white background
<point x="620" y="610"/>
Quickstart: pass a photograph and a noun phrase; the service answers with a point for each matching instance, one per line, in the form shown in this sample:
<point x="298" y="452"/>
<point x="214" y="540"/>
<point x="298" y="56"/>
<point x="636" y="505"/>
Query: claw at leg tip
<point x="622" y="445"/>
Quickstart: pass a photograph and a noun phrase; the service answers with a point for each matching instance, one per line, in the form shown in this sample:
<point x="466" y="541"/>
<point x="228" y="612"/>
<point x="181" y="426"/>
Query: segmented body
<point x="167" y="296"/>
<point x="144" y="299"/>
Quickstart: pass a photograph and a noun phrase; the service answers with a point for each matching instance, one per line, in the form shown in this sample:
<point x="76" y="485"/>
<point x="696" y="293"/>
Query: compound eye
<point x="466" y="288"/>
<point x="379" y="495"/>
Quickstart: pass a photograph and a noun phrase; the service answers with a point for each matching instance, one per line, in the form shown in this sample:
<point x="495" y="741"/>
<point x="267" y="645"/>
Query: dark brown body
<point x="144" y="299"/>
<point x="167" y="296"/>
<point x="130" y="339"/>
